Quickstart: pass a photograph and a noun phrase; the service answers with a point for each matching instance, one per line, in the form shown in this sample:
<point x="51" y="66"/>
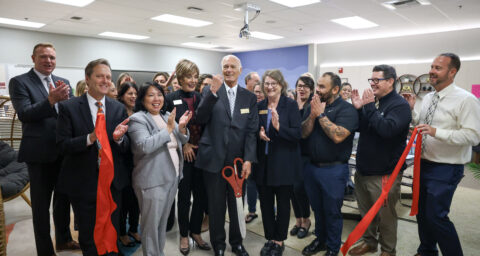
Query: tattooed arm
<point x="335" y="132"/>
<point x="307" y="126"/>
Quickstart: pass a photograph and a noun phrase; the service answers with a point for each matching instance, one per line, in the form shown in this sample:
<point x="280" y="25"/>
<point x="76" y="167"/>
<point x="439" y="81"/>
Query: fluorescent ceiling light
<point x="264" y="36"/>
<point x="181" y="20"/>
<point x="122" y="35"/>
<point x="295" y="3"/>
<point x="355" y="22"/>
<point x="78" y="3"/>
<point x="22" y="23"/>
<point x="200" y="45"/>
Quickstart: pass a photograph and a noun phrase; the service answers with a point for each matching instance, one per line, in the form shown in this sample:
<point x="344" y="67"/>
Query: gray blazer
<point x="152" y="163"/>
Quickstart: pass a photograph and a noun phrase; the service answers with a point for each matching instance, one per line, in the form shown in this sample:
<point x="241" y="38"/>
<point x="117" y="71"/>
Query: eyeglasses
<point x="376" y="80"/>
<point x="273" y="85"/>
<point x="303" y="86"/>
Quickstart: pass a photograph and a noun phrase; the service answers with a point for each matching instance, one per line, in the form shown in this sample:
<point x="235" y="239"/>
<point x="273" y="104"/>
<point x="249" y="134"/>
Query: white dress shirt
<point x="457" y="123"/>
<point x="45" y="85"/>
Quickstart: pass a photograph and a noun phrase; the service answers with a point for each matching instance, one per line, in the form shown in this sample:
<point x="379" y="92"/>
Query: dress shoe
<point x="294" y="230"/>
<point x="132" y="235"/>
<point x="219" y="252"/>
<point x="68" y="246"/>
<point x="362" y="249"/>
<point x="126" y="242"/>
<point x="387" y="254"/>
<point x="184" y="250"/>
<point x="277" y="250"/>
<point x="331" y="253"/>
<point x="314" y="247"/>
<point x="303" y="232"/>
<point x="239" y="250"/>
<point x="202" y="246"/>
<point x="266" y="248"/>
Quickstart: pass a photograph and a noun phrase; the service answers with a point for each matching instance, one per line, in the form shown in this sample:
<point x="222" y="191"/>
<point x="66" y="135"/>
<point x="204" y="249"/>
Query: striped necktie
<point x="430" y="113"/>
<point x="231" y="99"/>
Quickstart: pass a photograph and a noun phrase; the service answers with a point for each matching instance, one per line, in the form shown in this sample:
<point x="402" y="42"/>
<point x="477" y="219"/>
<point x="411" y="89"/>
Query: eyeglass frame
<point x="372" y="80"/>
<point x="273" y="85"/>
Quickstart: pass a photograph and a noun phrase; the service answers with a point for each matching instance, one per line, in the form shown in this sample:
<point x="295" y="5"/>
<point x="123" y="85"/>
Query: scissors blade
<point x="241" y="217"/>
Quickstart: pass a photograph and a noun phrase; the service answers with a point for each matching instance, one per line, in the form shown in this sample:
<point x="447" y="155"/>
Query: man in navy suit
<point x="230" y="115"/>
<point x="35" y="96"/>
<point x="77" y="139"/>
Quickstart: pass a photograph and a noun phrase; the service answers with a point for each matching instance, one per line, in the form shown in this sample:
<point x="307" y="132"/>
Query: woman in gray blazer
<point x="158" y="161"/>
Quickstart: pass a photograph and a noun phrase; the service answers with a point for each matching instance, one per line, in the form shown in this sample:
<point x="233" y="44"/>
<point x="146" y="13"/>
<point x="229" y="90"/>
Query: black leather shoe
<point x="303" y="232"/>
<point x="294" y="230"/>
<point x="314" y="247"/>
<point x="277" y="250"/>
<point x="219" y="252"/>
<point x="239" y="250"/>
<point x="267" y="248"/>
<point x="331" y="253"/>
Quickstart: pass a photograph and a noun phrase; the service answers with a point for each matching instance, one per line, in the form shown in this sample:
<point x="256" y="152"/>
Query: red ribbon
<point x="367" y="219"/>
<point x="105" y="235"/>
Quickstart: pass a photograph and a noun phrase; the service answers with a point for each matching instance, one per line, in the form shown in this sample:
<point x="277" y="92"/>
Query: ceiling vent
<point x="399" y="4"/>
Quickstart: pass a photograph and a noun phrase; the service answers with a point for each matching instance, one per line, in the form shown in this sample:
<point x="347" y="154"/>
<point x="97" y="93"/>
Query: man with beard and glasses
<point x="449" y="120"/>
<point x="329" y="128"/>
<point x="383" y="134"/>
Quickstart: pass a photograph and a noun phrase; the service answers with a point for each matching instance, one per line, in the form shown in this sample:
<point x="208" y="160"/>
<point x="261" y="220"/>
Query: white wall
<point x="409" y="55"/>
<point x="74" y="53"/>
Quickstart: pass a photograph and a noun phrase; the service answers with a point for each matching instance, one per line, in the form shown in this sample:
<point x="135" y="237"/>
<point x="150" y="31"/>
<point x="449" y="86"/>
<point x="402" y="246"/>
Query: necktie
<point x="99" y="112"/>
<point x="231" y="99"/>
<point x="49" y="82"/>
<point x="99" y="106"/>
<point x="429" y="116"/>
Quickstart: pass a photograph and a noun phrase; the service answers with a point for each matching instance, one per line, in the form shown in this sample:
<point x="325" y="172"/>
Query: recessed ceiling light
<point x="355" y="22"/>
<point x="22" y="23"/>
<point x="295" y="3"/>
<point x="78" y="3"/>
<point x="264" y="36"/>
<point x="181" y="20"/>
<point x="122" y="35"/>
<point x="200" y="45"/>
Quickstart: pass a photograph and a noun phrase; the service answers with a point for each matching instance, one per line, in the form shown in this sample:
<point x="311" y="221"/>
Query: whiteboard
<point x="11" y="70"/>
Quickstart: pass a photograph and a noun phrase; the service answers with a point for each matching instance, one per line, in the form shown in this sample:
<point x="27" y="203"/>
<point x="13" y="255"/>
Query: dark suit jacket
<point x="226" y="137"/>
<point x="283" y="162"/>
<point x="79" y="174"/>
<point x="39" y="119"/>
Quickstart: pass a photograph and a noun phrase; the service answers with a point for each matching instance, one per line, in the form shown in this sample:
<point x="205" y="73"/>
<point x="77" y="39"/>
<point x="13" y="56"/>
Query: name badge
<point x="177" y="102"/>
<point x="263" y="112"/>
<point x="244" y="111"/>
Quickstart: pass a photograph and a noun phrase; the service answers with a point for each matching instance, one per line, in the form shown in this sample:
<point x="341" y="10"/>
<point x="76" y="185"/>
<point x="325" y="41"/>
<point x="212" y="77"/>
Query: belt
<point x="327" y="164"/>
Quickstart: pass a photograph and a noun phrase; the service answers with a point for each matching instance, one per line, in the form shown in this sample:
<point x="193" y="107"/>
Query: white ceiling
<point x="299" y="26"/>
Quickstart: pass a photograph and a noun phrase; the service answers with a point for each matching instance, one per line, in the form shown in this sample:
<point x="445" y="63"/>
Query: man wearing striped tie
<point x="449" y="121"/>
<point x="90" y="132"/>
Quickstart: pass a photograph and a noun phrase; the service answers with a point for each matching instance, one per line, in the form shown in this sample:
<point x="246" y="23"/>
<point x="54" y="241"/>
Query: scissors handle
<point x="235" y="181"/>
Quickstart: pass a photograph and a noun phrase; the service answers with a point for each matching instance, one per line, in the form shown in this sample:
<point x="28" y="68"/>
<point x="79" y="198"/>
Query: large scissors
<point x="236" y="182"/>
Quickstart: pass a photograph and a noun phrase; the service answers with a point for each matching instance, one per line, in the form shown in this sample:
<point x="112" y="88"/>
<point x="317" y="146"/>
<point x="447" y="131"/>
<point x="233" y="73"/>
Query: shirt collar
<point x="389" y="95"/>
<point x="92" y="100"/>
<point x="234" y="88"/>
<point x="447" y="90"/>
<point x="42" y="76"/>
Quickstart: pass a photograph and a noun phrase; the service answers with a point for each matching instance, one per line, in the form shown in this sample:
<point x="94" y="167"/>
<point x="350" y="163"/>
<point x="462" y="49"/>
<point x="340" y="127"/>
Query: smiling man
<point x="229" y="113"/>
<point x="449" y="120"/>
<point x="77" y="139"/>
<point x="35" y="95"/>
<point x="383" y="133"/>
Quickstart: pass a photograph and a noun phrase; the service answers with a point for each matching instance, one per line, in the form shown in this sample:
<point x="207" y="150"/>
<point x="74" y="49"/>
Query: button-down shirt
<point x="45" y="85"/>
<point x="457" y="123"/>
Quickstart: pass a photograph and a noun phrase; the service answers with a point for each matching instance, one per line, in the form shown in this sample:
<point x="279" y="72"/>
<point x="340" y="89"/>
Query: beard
<point x="326" y="96"/>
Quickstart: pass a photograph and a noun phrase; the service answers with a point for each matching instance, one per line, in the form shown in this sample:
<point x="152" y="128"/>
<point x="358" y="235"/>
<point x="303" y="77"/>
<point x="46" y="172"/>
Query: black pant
<point x="84" y="208"/>
<point x="192" y="183"/>
<point x="300" y="203"/>
<point x="219" y="191"/>
<point x="275" y="225"/>
<point x="43" y="178"/>
<point x="129" y="208"/>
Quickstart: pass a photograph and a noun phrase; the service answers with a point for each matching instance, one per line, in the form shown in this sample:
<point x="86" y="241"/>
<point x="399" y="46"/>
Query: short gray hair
<point x="231" y="56"/>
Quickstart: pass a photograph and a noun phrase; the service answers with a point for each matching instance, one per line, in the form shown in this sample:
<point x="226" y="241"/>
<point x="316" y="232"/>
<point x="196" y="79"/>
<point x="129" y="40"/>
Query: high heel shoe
<point x="184" y="251"/>
<point x="202" y="246"/>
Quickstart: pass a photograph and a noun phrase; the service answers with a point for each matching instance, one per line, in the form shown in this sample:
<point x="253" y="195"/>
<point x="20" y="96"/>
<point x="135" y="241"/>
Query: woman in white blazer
<point x="156" y="142"/>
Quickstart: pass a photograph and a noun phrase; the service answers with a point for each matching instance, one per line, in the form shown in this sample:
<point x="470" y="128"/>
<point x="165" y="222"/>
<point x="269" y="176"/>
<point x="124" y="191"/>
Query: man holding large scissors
<point x="230" y="115"/>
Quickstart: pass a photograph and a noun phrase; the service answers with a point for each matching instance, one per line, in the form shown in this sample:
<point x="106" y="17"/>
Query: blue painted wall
<point x="291" y="61"/>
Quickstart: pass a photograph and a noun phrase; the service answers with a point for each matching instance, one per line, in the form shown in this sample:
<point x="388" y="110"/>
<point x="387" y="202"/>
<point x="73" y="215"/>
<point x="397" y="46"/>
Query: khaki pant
<point x="368" y="190"/>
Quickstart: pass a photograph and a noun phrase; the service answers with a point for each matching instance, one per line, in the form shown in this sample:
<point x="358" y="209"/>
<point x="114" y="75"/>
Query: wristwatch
<point x="322" y="115"/>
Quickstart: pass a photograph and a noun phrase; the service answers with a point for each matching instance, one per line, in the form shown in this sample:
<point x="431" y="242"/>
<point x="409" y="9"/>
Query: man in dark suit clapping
<point x="35" y="96"/>
<point x="230" y="115"/>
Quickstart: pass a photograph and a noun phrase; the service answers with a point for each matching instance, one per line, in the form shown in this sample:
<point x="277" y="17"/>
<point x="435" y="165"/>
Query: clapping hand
<point x="263" y="134"/>
<point x="184" y="119"/>
<point x="368" y="96"/>
<point x="120" y="130"/>
<point x="317" y="107"/>
<point x="275" y="119"/>
<point x="58" y="93"/>
<point x="217" y="81"/>
<point x="171" y="120"/>
<point x="357" y="101"/>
